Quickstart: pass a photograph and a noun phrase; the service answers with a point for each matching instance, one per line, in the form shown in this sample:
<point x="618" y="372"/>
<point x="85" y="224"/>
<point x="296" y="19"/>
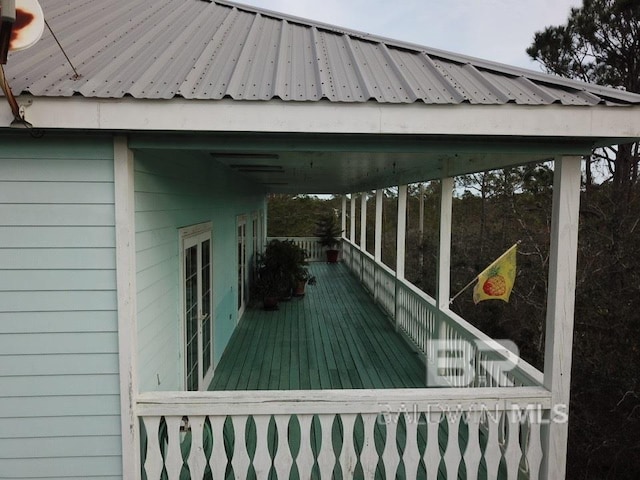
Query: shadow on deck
<point x="334" y="337"/>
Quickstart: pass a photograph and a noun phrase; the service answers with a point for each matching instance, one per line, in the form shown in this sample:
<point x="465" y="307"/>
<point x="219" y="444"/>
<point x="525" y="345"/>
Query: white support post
<point x="378" y="227"/>
<point x="344" y="217"/>
<point x="444" y="251"/>
<point x="401" y="232"/>
<point x="352" y="220"/>
<point x="126" y="287"/>
<point x="363" y="222"/>
<point x="560" y="310"/>
<point x="421" y="226"/>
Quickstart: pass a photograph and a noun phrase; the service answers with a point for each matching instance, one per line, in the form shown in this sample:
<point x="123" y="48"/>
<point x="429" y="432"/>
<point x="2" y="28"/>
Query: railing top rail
<point x="388" y="270"/>
<point x="523" y="370"/>
<point x="339" y="401"/>
<point x="294" y="238"/>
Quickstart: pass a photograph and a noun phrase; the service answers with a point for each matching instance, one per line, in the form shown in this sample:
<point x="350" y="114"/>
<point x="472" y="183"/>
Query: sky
<point x="496" y="30"/>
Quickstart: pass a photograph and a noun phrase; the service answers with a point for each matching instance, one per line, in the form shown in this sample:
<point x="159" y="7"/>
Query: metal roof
<point x="197" y="49"/>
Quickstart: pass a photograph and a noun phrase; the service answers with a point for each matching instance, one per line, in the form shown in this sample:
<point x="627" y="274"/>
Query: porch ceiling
<point x="331" y="163"/>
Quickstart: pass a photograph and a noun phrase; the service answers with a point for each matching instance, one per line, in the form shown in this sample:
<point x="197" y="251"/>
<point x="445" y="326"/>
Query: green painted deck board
<point x="333" y="337"/>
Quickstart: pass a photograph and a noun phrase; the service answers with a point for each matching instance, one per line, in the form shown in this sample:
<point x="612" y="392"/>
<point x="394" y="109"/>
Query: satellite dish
<point x="28" y="26"/>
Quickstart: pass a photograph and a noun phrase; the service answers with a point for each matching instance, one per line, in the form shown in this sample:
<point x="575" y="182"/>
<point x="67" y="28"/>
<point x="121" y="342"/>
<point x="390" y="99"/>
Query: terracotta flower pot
<point x="270" y="303"/>
<point x="332" y="256"/>
<point x="299" y="290"/>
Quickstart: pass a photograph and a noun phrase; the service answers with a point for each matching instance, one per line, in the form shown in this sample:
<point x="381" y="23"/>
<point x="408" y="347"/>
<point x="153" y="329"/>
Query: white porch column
<point x="402" y="231"/>
<point x="421" y="226"/>
<point x="363" y="221"/>
<point x="352" y="221"/>
<point x="126" y="287"/>
<point x="443" y="286"/>
<point x="344" y="216"/>
<point x="560" y="309"/>
<point x="378" y="228"/>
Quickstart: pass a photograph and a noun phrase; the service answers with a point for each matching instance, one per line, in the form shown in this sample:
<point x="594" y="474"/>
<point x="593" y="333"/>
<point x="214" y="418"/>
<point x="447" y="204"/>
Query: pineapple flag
<point x="496" y="281"/>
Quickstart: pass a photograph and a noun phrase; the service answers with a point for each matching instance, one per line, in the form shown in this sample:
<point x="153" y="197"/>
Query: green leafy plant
<point x="328" y="230"/>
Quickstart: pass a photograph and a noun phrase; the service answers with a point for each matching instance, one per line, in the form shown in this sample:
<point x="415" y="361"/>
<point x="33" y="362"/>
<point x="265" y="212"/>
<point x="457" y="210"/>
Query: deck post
<point x="363" y="222"/>
<point x="363" y="232"/>
<point x="560" y="311"/>
<point x="443" y="280"/>
<point x="126" y="287"/>
<point x="402" y="231"/>
<point x="343" y="223"/>
<point x="401" y="235"/>
<point x="352" y="219"/>
<point x="377" y="249"/>
<point x="443" y="286"/>
<point x="421" y="226"/>
<point x="352" y="229"/>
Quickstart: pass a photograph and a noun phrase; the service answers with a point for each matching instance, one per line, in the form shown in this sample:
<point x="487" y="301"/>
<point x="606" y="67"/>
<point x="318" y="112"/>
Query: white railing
<point x="417" y="317"/>
<point x="347" y="433"/>
<point x="315" y="252"/>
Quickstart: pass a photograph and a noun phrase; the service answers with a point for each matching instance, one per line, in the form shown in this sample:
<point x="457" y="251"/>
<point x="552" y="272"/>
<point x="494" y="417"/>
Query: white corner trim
<point x="126" y="287"/>
<point x="178" y="114"/>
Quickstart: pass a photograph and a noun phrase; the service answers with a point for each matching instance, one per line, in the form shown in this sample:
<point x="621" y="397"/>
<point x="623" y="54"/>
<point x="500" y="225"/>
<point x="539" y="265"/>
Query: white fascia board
<point x="129" y="114"/>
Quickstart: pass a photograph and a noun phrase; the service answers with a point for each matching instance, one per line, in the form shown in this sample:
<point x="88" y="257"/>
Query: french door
<point x="242" y="264"/>
<point x="197" y="315"/>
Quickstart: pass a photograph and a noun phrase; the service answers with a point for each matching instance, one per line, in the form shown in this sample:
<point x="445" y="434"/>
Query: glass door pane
<point x="191" y="315"/>
<point x="207" y="333"/>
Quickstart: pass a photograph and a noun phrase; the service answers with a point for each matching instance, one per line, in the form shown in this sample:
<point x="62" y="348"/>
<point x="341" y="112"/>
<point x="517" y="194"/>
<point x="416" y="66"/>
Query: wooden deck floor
<point x="334" y="337"/>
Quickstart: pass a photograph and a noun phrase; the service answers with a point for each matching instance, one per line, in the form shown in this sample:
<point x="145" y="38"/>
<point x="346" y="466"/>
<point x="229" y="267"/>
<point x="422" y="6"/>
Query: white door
<point x="198" y="321"/>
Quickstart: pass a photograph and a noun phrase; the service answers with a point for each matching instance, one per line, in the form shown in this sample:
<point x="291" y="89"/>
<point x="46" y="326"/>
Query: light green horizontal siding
<point x="72" y="364"/>
<point x="59" y="426"/>
<point x="67" y="467"/>
<point x="173" y="191"/>
<point x="82" y="446"/>
<point x="58" y="258"/>
<point x="59" y="380"/>
<point x="53" y="322"/>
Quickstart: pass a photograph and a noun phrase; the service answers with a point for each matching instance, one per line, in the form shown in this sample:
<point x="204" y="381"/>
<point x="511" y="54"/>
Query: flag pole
<point x="463" y="289"/>
<point x="476" y="277"/>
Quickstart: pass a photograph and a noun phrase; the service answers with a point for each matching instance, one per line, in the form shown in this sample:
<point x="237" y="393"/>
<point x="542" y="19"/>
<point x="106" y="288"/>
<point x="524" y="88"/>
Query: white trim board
<point x="129" y="114"/>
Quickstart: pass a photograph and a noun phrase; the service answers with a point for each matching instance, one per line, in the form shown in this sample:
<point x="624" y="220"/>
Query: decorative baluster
<point x="305" y="455"/>
<point x="369" y="456"/>
<point x="512" y="452"/>
<point x="432" y="452"/>
<point x="472" y="454"/>
<point x="262" y="459"/>
<point x="533" y="452"/>
<point x="326" y="457"/>
<point x="197" y="460"/>
<point x="411" y="456"/>
<point x="240" y="460"/>
<point x="452" y="454"/>
<point x="390" y="456"/>
<point x="283" y="459"/>
<point x="153" y="463"/>
<point x="492" y="453"/>
<point x="348" y="458"/>
<point x="218" y="460"/>
<point x="173" y="460"/>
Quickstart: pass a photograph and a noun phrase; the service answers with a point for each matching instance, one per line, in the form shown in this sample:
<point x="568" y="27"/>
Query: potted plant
<point x="329" y="232"/>
<point x="302" y="277"/>
<point x="279" y="268"/>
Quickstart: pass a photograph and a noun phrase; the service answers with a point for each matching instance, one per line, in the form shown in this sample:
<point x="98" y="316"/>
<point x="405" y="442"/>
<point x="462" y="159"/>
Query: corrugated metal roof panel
<point x="210" y="50"/>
